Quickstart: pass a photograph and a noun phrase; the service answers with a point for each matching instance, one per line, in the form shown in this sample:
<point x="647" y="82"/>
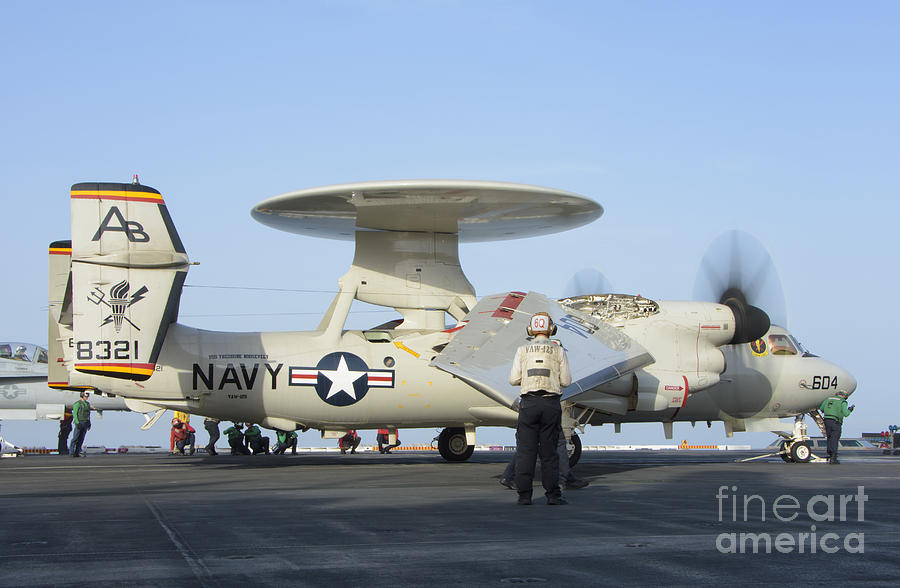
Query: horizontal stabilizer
<point x="481" y="353"/>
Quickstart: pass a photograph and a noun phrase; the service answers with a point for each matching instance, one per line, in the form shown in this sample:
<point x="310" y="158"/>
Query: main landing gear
<point x="574" y="447"/>
<point x="453" y="445"/>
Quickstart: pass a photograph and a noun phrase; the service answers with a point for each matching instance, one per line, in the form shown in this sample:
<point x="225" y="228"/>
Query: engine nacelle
<point x="684" y="339"/>
<point x="663" y="389"/>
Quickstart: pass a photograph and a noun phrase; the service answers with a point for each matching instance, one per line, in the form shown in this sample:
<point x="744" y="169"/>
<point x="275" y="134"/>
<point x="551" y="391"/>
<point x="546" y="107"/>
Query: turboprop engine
<point x="684" y="339"/>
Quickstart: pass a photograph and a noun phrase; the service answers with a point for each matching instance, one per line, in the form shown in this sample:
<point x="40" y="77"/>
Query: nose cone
<point x="848" y="382"/>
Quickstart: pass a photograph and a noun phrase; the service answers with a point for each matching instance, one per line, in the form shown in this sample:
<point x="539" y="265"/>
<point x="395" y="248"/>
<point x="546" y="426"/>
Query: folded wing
<point x="481" y="353"/>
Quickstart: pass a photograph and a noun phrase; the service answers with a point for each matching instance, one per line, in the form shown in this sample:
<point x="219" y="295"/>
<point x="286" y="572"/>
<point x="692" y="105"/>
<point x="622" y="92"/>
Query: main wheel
<point x="800" y="452"/>
<point x="575" y="452"/>
<point x="453" y="446"/>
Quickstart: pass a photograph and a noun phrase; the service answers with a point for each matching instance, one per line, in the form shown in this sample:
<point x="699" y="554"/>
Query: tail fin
<point x="59" y="332"/>
<point x="128" y="269"/>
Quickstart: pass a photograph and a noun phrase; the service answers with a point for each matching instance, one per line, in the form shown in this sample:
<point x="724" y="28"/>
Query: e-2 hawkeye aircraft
<point x="115" y="287"/>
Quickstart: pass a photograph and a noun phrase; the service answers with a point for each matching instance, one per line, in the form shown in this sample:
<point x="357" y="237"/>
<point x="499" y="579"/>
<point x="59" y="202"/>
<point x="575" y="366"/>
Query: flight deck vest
<point x="540" y="367"/>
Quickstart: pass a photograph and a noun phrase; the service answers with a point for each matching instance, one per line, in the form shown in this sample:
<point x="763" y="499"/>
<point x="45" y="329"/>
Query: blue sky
<point x="682" y="119"/>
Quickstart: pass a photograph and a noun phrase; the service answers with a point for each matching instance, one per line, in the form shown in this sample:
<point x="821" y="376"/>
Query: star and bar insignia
<point x="341" y="378"/>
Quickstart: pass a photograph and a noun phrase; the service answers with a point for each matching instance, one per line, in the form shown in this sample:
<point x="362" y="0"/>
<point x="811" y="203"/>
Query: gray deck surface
<point x="648" y="518"/>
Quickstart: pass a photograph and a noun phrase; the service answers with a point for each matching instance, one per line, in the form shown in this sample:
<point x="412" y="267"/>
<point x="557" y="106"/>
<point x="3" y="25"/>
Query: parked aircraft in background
<point x="24" y="394"/>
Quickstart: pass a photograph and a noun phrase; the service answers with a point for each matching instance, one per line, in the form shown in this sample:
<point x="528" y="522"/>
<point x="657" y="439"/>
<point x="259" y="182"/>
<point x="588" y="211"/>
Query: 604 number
<point x="85" y="350"/>
<point x="824" y="382"/>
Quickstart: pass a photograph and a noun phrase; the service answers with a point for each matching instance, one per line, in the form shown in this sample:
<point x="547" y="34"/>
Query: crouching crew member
<point x="349" y="441"/>
<point x="285" y="439"/>
<point x="541" y="367"/>
<point x="236" y="439"/>
<point x="182" y="436"/>
<point x="384" y="440"/>
<point x="255" y="440"/>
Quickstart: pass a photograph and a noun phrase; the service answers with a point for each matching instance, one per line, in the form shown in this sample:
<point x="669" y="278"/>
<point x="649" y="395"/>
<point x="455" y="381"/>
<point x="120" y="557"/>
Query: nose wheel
<point x="800" y="451"/>
<point x="795" y="448"/>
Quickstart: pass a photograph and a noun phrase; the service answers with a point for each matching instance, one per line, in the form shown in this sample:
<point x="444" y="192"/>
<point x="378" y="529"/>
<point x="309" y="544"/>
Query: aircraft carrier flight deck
<point x="411" y="519"/>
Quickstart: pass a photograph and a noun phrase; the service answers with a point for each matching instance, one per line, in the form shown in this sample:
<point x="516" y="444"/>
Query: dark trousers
<point x="538" y="432"/>
<point x="259" y="445"/>
<point x="213" y="430"/>
<point x="562" y="451"/>
<point x="63" y="445"/>
<point x="182" y="443"/>
<point x="238" y="447"/>
<point x="78" y="438"/>
<point x="289" y="443"/>
<point x="833" y="432"/>
<point x="384" y="443"/>
<point x="350" y="443"/>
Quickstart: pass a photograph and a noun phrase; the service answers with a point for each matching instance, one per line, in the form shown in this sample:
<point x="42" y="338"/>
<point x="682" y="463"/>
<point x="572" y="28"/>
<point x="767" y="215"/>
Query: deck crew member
<point x="183" y="435"/>
<point x="81" y="419"/>
<point x="212" y="427"/>
<point x="255" y="439"/>
<point x="541" y="368"/>
<point x="65" y="428"/>
<point x="834" y="409"/>
<point x="286" y="439"/>
<point x="236" y="439"/>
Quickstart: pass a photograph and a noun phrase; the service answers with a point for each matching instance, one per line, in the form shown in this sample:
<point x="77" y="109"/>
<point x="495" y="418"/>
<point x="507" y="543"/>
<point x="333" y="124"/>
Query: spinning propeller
<point x="587" y="281"/>
<point x="738" y="272"/>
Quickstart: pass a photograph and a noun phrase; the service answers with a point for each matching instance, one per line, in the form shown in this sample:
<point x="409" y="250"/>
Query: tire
<point x="575" y="453"/>
<point x="452" y="444"/>
<point x="801" y="452"/>
<point x="785" y="455"/>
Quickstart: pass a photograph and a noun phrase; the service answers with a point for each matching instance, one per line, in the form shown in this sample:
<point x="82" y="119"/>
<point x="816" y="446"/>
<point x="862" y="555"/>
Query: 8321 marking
<point x="86" y="350"/>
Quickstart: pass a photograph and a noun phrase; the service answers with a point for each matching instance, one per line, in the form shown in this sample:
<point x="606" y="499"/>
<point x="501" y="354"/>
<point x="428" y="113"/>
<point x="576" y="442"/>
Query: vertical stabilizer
<point x="59" y="323"/>
<point x="128" y="269"/>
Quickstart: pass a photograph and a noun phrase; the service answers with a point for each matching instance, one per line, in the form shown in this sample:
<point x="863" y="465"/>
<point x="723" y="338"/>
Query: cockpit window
<point x="781" y="345"/>
<point x="19" y="351"/>
<point x="42" y="355"/>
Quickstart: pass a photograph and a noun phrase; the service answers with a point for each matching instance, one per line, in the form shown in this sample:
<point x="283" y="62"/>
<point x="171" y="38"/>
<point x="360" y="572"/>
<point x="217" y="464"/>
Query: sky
<point x="682" y="119"/>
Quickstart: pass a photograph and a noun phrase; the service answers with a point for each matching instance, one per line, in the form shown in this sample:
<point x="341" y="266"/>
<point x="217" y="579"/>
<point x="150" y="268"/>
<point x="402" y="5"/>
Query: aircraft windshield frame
<point x="804" y="352"/>
<point x="24" y="352"/>
<point x="782" y="344"/>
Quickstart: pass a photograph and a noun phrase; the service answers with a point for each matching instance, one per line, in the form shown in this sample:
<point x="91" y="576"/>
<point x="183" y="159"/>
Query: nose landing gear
<point x="796" y="447"/>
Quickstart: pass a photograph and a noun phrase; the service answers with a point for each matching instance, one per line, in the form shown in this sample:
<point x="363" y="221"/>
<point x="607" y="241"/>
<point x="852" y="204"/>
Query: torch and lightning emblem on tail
<point x="117" y="302"/>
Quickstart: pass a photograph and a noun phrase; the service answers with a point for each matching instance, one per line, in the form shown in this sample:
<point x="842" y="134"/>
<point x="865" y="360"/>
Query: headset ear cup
<point x="552" y="329"/>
